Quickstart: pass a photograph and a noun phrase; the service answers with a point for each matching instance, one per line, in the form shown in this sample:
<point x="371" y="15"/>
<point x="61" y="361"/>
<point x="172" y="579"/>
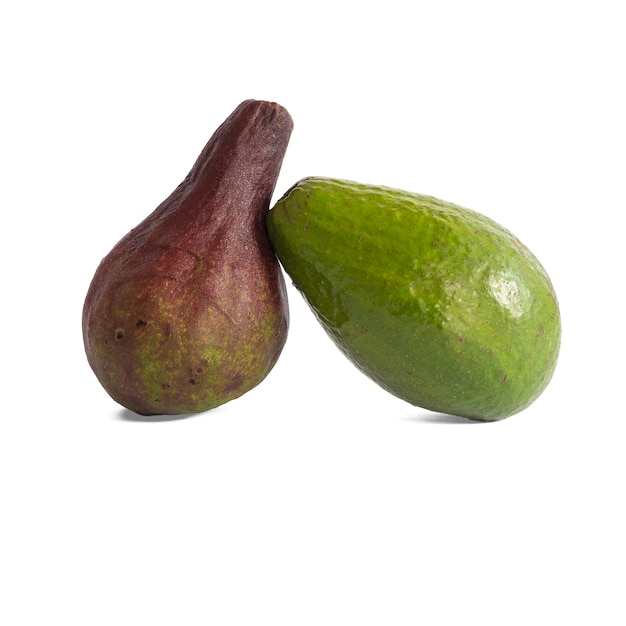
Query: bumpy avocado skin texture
<point x="438" y="304"/>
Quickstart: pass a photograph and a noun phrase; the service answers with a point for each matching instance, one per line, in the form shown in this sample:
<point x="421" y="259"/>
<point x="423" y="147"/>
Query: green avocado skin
<point x="438" y="304"/>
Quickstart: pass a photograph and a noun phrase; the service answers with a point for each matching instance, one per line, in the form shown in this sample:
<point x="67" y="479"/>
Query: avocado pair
<point x="438" y="304"/>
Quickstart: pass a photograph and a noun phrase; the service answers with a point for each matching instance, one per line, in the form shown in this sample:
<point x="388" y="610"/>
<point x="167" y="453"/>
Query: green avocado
<point x="438" y="304"/>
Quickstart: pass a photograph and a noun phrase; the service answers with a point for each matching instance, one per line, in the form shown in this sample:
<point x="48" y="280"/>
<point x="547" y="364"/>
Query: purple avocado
<point x="189" y="309"/>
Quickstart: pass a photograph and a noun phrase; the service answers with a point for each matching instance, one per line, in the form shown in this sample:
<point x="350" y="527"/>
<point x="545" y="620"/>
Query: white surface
<point x="317" y="498"/>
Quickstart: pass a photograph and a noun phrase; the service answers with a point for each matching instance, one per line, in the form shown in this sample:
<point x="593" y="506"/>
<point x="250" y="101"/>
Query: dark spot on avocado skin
<point x="119" y="334"/>
<point x="141" y="324"/>
<point x="235" y="383"/>
<point x="503" y="379"/>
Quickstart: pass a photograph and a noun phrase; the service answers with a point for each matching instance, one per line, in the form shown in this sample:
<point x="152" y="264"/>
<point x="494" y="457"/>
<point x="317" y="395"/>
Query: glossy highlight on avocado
<point x="438" y="304"/>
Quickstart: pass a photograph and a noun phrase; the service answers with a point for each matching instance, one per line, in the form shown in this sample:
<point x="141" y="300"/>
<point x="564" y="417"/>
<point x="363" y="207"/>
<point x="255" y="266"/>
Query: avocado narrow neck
<point x="234" y="177"/>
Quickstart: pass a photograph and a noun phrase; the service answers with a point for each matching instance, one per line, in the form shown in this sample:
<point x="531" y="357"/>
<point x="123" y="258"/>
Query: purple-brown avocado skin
<point x="189" y="309"/>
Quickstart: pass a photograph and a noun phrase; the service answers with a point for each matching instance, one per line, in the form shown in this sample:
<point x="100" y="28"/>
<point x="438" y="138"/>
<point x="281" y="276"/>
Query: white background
<point x="317" y="498"/>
